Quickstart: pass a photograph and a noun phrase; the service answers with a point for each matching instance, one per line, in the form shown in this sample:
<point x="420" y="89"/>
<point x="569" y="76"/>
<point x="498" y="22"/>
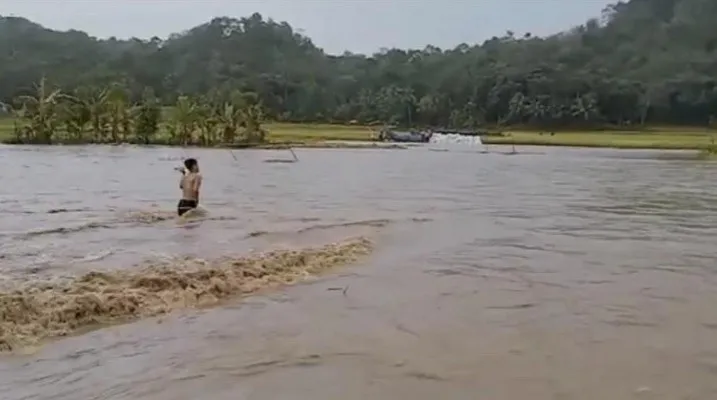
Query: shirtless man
<point x="190" y="184"/>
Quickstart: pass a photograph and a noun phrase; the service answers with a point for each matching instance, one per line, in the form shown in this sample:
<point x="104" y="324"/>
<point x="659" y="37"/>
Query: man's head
<point x="191" y="165"/>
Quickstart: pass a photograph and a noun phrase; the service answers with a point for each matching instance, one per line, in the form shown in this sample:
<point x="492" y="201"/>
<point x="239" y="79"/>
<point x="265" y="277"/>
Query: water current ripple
<point x="563" y="274"/>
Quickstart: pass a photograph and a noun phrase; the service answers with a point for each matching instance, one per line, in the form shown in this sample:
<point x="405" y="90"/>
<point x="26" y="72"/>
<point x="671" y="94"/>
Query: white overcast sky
<point x="362" y="26"/>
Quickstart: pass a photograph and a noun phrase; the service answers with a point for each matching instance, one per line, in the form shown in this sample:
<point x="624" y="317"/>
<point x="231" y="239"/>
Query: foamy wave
<point x="40" y="311"/>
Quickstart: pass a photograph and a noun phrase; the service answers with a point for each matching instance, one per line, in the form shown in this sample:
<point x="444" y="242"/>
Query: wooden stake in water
<point x="293" y="154"/>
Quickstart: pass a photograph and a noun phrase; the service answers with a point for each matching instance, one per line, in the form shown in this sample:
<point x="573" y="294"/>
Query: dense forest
<point x="642" y="62"/>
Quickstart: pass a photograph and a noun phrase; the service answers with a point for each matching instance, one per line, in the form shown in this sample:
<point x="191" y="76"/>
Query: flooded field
<point x="557" y="274"/>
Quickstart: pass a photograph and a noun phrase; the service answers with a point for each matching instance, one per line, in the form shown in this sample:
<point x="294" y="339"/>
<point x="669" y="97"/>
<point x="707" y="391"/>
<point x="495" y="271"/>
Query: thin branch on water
<point x="343" y="290"/>
<point x="283" y="160"/>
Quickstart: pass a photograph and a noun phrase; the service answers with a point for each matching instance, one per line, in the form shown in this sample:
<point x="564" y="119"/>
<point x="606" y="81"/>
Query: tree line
<point x="109" y="115"/>
<point x="642" y="62"/>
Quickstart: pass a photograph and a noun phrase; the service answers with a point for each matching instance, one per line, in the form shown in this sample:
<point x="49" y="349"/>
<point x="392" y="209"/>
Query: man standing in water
<point x="190" y="183"/>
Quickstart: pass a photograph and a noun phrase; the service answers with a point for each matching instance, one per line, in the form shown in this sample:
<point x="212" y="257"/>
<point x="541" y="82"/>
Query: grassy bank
<point x="672" y="138"/>
<point x="283" y="132"/>
<point x="316" y="135"/>
<point x="662" y="139"/>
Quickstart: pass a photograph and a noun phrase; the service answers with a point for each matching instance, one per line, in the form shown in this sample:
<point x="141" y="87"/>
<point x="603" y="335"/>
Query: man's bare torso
<point x="190" y="186"/>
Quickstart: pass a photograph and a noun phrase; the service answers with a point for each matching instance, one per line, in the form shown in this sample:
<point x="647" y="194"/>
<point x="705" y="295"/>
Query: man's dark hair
<point x="189" y="163"/>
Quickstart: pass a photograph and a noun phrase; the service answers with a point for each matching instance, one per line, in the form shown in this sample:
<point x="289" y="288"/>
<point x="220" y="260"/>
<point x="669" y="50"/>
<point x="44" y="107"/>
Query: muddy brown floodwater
<point x="559" y="274"/>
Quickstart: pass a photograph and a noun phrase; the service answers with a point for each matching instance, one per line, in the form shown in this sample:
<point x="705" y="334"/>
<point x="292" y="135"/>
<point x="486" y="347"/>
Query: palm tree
<point x="408" y="98"/>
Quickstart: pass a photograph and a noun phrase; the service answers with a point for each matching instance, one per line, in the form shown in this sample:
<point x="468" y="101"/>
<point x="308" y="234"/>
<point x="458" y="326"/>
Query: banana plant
<point x="94" y="102"/>
<point x="119" y="109"/>
<point x="230" y="119"/>
<point x="76" y="116"/>
<point x="207" y="123"/>
<point x="40" y="111"/>
<point x="184" y="120"/>
<point x="252" y="117"/>
<point x="20" y="130"/>
<point x="147" y="116"/>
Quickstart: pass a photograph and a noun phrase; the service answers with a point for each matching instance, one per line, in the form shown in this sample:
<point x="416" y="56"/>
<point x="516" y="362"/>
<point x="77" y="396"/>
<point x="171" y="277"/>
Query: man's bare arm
<point x="181" y="180"/>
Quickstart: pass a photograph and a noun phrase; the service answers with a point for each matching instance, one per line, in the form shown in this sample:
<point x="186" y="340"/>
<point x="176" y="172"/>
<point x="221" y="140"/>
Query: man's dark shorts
<point x="186" y="205"/>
